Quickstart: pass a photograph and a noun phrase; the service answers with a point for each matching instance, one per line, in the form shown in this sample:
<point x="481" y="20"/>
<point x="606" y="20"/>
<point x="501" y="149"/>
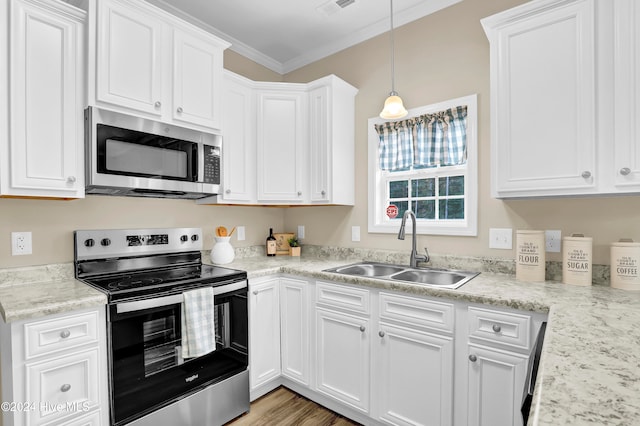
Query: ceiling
<point x="284" y="35"/>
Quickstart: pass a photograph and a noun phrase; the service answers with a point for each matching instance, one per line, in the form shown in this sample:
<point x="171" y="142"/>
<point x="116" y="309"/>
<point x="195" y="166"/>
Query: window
<point x="426" y="162"/>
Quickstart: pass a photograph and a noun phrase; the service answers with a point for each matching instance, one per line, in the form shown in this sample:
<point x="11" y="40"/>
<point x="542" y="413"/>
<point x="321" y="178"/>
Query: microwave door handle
<point x="156" y="302"/>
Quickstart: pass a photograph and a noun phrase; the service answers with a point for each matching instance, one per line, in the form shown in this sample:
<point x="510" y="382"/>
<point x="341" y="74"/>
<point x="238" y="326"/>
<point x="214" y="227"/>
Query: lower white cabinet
<point x="496" y="386"/>
<point x="56" y="369"/>
<point x="343" y="357"/>
<point x="264" y="331"/>
<point x="294" y="329"/>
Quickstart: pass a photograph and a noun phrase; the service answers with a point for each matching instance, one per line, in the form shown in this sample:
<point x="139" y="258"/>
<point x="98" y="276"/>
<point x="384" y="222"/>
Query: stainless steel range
<point x="177" y="329"/>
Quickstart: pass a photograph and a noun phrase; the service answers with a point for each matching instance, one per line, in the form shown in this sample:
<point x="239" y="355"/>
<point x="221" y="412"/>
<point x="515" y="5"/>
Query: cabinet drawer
<point x="415" y="311"/>
<point x="494" y="326"/>
<point x="64" y="387"/>
<point x="62" y="333"/>
<point x="353" y="299"/>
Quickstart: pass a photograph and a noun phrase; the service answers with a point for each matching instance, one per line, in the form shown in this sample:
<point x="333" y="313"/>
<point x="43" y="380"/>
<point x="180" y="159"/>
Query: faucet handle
<point x="426" y="255"/>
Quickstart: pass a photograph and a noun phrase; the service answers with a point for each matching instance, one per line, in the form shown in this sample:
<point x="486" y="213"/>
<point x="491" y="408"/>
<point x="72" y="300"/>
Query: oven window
<point x="161" y="344"/>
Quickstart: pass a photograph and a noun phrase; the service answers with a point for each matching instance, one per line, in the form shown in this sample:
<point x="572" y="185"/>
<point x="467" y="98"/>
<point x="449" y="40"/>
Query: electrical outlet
<point x="21" y="243"/>
<point x="355" y="233"/>
<point x="501" y="238"/>
<point x="240" y="233"/>
<point x="553" y="240"/>
<point x="300" y="232"/>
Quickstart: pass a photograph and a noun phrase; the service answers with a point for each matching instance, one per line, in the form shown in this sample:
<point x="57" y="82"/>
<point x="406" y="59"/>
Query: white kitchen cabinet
<point x="150" y="63"/>
<point x="413" y="354"/>
<point x="331" y="141"/>
<point x="496" y="386"/>
<point x="294" y="329"/>
<point x="543" y="98"/>
<point x="42" y="139"/>
<point x="264" y="332"/>
<point x="627" y="95"/>
<point x="238" y="141"/>
<point x="281" y="137"/>
<point x="59" y="364"/>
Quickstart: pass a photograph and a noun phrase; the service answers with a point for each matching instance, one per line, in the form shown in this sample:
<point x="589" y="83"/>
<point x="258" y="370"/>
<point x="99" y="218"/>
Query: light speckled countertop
<point x="590" y="366"/>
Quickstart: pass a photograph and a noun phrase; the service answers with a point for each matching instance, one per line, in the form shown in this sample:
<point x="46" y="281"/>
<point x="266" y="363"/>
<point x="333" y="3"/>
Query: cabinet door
<point x="46" y="87"/>
<point x="543" y="100"/>
<point x="197" y="80"/>
<point x="238" y="141"/>
<point x="496" y="387"/>
<point x="264" y="332"/>
<point x="280" y="138"/>
<point x="129" y="58"/>
<point x="319" y="145"/>
<point x="294" y="329"/>
<point x="415" y="377"/>
<point x="343" y="357"/>
<point x="627" y="95"/>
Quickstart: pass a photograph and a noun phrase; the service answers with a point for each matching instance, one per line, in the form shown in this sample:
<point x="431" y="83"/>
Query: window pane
<point x="453" y="185"/>
<point x="398" y="189"/>
<point x="423" y="187"/>
<point x="425" y="209"/>
<point x="451" y="209"/>
<point x="402" y="207"/>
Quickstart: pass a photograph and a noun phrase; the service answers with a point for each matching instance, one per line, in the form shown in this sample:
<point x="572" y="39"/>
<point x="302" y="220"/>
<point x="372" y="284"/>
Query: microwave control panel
<point x="211" y="165"/>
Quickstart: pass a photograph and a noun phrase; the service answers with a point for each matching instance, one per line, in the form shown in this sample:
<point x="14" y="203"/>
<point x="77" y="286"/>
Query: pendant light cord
<point x="393" y="72"/>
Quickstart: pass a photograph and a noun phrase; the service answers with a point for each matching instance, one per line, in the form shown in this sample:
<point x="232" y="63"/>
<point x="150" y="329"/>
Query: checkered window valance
<point x="427" y="140"/>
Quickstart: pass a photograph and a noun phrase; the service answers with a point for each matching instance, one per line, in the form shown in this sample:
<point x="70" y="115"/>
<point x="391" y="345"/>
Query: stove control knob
<point x="105" y="242"/>
<point x="89" y="242"/>
<point x="184" y="238"/>
<point x="194" y="237"/>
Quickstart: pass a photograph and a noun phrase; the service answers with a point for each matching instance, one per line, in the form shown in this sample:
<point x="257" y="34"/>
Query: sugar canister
<point x="577" y="254"/>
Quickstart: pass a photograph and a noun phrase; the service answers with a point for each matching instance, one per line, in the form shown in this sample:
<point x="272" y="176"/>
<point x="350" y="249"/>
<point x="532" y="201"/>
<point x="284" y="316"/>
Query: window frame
<point x="378" y="222"/>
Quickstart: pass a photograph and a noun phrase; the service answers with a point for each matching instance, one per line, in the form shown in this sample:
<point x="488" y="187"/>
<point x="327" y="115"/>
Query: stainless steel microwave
<point x="132" y="156"/>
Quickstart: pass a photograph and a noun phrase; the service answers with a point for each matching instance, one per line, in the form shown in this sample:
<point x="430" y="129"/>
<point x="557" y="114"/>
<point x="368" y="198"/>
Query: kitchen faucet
<point x="415" y="257"/>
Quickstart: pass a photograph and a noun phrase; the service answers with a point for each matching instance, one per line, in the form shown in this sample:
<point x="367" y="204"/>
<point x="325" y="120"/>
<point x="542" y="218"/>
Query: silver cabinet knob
<point x="381" y="333"/>
<point x="496" y="328"/>
<point x="299" y="193"/>
<point x="625" y="171"/>
<point x="323" y="192"/>
<point x="473" y="358"/>
<point x="65" y="333"/>
<point x="362" y="328"/>
<point x="158" y="104"/>
<point x="255" y="292"/>
<point x="586" y="174"/>
<point x="228" y="191"/>
<point x="71" y="179"/>
<point x="179" y="110"/>
<point x="65" y="388"/>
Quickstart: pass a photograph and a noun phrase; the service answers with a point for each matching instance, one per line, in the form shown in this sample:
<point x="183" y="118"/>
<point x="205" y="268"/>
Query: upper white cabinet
<point x="150" y="63"/>
<point x="281" y="138"/>
<point x="563" y="98"/>
<point x="287" y="143"/>
<point x="41" y="119"/>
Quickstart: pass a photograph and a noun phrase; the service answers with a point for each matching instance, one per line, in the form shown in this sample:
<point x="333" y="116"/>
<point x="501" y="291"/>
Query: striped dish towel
<point x="198" y="326"/>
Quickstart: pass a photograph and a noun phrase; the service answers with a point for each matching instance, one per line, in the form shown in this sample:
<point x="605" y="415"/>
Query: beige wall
<point x="439" y="57"/>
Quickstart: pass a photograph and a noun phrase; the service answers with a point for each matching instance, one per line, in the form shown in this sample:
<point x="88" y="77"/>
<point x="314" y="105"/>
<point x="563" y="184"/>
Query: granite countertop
<point x="590" y="365"/>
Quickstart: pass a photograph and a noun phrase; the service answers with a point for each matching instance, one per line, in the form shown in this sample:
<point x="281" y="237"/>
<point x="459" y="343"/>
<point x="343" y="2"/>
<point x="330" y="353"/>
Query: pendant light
<point x="393" y="107"/>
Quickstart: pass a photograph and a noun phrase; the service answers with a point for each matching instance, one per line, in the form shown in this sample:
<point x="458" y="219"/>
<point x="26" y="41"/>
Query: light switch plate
<point x="355" y="233"/>
<point x="553" y="240"/>
<point x="240" y="233"/>
<point x="501" y="238"/>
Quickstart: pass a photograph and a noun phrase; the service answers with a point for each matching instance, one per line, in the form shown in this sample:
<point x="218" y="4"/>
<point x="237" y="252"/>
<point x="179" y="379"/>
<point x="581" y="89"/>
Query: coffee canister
<point x="625" y="265"/>
<point x="530" y="257"/>
<point x="577" y="254"/>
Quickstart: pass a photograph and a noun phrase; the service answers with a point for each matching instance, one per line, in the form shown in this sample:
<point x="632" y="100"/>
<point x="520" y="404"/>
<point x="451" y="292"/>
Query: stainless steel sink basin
<point x="431" y="277"/>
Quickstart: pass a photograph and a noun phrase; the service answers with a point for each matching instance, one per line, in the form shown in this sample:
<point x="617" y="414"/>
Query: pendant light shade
<point x="393" y="107"/>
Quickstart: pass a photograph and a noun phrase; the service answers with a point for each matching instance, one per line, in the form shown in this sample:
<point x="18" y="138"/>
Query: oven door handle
<point x="156" y="302"/>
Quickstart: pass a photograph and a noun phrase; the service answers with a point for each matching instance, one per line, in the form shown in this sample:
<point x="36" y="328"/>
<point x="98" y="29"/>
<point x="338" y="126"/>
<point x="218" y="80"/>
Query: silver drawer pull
<point x="496" y="328"/>
<point x="362" y="328"/>
<point x="255" y="292"/>
<point x="65" y="333"/>
<point x="473" y="358"/>
<point x="625" y="171"/>
<point x="158" y="104"/>
<point x="586" y="174"/>
<point x="65" y="388"/>
<point x="179" y="110"/>
<point x="381" y="333"/>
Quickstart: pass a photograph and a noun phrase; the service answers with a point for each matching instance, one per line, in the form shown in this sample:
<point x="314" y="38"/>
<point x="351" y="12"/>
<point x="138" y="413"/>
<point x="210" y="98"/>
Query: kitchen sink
<point x="430" y="277"/>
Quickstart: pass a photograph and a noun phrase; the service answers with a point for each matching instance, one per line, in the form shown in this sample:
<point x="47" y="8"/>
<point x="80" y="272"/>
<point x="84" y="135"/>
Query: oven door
<point x="146" y="365"/>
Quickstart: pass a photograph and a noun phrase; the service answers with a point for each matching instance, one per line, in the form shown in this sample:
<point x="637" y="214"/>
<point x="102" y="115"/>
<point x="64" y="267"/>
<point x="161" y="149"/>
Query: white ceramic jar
<point x="222" y="251"/>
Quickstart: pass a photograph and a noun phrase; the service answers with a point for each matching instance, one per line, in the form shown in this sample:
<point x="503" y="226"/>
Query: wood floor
<point x="283" y="407"/>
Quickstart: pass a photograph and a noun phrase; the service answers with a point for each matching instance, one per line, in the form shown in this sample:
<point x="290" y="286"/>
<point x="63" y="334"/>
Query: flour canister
<point x="530" y="257"/>
<point x="577" y="253"/>
<point x="625" y="265"/>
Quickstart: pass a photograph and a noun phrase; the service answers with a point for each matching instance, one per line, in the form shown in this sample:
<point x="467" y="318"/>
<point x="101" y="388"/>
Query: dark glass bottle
<point x="271" y="243"/>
